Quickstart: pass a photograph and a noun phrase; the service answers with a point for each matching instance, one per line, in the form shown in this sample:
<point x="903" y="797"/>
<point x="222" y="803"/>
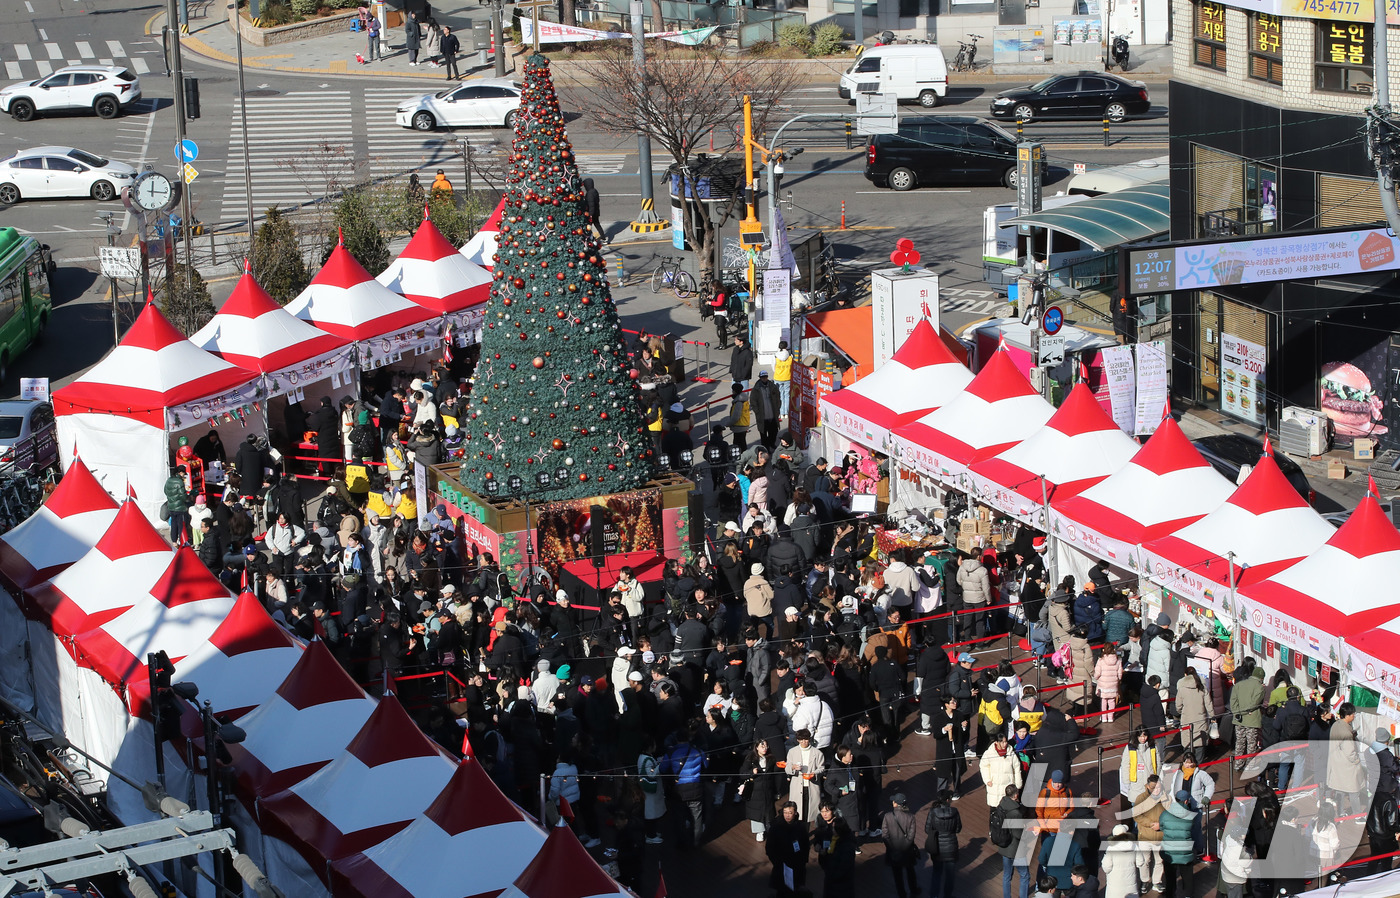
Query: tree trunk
<point x="567" y="14"/>
<point x="658" y="20"/>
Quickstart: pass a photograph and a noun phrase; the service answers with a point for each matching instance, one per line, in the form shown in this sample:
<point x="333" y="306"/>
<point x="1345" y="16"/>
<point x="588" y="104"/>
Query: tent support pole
<point x="1051" y="543"/>
<point x="1234" y="611"/>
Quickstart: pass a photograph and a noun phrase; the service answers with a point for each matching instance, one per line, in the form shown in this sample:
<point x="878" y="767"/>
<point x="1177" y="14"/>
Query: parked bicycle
<point x="671" y="273"/>
<point x="967" y="54"/>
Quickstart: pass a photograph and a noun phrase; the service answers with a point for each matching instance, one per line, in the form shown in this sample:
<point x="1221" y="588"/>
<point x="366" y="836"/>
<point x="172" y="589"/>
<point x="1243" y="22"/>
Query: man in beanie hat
<point x="901" y="851"/>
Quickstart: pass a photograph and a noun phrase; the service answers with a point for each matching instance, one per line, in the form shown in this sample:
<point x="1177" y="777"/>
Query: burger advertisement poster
<point x="1353" y="399"/>
<point x="1242" y="378"/>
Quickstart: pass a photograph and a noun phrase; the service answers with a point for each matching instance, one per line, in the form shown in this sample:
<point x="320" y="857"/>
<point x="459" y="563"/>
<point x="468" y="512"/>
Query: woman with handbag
<point x="759" y="788"/>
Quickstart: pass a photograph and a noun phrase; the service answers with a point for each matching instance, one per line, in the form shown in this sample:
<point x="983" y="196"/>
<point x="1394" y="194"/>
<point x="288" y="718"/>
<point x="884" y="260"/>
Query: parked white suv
<point x="105" y="89"/>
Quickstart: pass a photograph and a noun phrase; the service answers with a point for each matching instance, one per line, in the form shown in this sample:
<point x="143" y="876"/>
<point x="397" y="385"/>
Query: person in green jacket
<point x="1247" y="706"/>
<point x="177" y="508"/>
<point x="1177" y="823"/>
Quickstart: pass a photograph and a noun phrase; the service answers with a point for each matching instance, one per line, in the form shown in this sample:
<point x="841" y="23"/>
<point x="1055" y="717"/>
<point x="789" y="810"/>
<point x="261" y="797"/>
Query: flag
<point x="1371" y="487"/>
<point x="1167" y="410"/>
<point x="467" y="746"/>
<point x="566" y="811"/>
<point x="1001" y="342"/>
<point x="1268" y="447"/>
<point x="130" y="490"/>
<point x="1083" y="372"/>
<point x="660" y="885"/>
<point x="390" y="687"/>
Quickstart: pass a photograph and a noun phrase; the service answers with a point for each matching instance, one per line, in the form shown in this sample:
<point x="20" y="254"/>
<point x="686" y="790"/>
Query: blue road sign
<point x="186" y="151"/>
<point x="1053" y="320"/>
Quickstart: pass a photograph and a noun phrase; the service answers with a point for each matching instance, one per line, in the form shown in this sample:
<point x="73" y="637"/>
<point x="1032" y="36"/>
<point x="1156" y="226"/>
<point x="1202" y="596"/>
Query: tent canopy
<point x="1103" y="222"/>
<point x="152" y="368"/>
<point x="481" y="249"/>
<point x="252" y="331"/>
<point x="564" y="869"/>
<point x="71" y="520"/>
<point x="344" y="300"/>
<point x="431" y="273"/>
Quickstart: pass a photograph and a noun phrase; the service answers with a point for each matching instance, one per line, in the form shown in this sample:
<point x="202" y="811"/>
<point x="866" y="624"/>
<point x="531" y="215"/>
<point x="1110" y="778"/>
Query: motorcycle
<point x="1119" y="53"/>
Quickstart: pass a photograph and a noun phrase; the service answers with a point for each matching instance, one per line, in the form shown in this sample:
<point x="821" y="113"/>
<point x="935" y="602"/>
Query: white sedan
<point x="491" y="102"/>
<point x="46" y="172"/>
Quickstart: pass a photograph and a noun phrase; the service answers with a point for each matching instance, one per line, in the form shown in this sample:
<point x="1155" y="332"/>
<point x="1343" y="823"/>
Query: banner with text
<point x="1152" y="386"/>
<point x="1122" y="386"/>
<point x="555" y="33"/>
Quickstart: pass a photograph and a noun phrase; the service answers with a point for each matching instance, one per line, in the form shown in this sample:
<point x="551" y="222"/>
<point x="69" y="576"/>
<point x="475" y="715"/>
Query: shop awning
<point x="1104" y="222"/>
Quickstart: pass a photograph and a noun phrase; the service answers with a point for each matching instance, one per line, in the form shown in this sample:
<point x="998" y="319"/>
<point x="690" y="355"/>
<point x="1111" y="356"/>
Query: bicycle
<point x="670" y="273"/>
<point x="967" y="54"/>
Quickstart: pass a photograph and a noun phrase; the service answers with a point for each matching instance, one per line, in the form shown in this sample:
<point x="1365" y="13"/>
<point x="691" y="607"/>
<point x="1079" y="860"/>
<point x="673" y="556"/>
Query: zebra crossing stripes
<point x="395" y="151"/>
<point x="25" y="61"/>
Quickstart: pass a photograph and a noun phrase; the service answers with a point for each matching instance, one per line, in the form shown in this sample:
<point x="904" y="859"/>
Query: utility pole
<point x="498" y="38"/>
<point x="647" y="219"/>
<point x="1380" y="127"/>
<point x="113" y="232"/>
<point x="243" y="115"/>
<point x="185" y="202"/>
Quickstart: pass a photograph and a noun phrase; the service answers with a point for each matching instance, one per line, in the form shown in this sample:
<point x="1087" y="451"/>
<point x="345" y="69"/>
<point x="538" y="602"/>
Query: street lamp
<point x="1031" y="312"/>
<point x="243" y="119"/>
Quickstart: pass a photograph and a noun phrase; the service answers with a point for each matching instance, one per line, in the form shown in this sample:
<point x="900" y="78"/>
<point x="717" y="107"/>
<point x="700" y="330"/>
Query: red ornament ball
<point x="557" y="443"/>
<point x="537" y="362"/>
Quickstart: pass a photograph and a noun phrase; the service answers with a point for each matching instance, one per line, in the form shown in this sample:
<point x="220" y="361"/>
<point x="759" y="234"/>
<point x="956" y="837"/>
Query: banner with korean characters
<point x="1003" y="498"/>
<point x="1088" y="540"/>
<point x="338" y="365"/>
<point x="1186" y="582"/>
<point x="1242" y="365"/>
<point x="1379" y="676"/>
<point x="1278" y="627"/>
<point x="238" y="404"/>
<point x="466" y="325"/>
<point x="405" y="344"/>
<point x="928" y="462"/>
<point x="853" y="427"/>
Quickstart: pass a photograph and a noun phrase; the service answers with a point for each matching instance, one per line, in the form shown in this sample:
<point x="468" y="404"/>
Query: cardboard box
<point x="940" y="514"/>
<point x="984" y="528"/>
<point x="1336" y="469"/>
<point x="967" y="526"/>
<point x="984" y="513"/>
<point x="1363" y="449"/>
<point x="964" y="543"/>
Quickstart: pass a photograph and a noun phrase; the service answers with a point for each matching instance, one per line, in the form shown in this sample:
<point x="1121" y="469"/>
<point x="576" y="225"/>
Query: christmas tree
<point x="554" y="393"/>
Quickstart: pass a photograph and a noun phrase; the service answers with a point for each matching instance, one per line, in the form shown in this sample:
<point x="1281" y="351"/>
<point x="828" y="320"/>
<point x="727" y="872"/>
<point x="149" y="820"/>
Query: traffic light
<point x="165" y="707"/>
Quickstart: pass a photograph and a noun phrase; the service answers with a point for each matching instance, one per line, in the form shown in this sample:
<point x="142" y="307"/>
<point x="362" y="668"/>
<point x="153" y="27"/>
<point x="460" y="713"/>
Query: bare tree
<point x="681" y="99"/>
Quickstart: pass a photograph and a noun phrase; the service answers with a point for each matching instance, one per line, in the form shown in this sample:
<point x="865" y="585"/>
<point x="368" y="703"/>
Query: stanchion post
<point x="1099" y="764"/>
<point x="1105" y="130"/>
<point x="848" y="134"/>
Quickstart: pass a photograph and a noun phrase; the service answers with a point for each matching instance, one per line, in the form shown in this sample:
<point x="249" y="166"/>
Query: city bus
<point x="25" y="299"/>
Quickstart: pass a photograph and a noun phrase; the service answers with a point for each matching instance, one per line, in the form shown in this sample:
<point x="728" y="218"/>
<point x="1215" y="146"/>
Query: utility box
<point x="481" y="33"/>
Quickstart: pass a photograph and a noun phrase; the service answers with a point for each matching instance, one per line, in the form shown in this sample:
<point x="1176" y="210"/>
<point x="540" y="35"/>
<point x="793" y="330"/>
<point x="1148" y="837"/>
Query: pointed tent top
<point x="151" y="330"/>
<point x="78" y="492"/>
<point x="471" y="801"/>
<point x="923" y="347"/>
<point x="1268" y="446"/>
<point x="428" y="243"/>
<point x="1080" y="413"/>
<point x="339" y="236"/>
<point x="130" y="533"/>
<point x="341" y="269"/>
<point x="426" y="215"/>
<point x="1367" y="532"/>
<point x="247" y="265"/>
<point x="1266" y="489"/>
<point x="564" y="869"/>
<point x="318" y="679"/>
<point x="1000" y="378"/>
<point x="1167" y="409"/>
<point x="248" y="628"/>
<point x="1168" y="450"/>
<point x="248" y="299"/>
<point x="390" y="735"/>
<point x="187" y="580"/>
<point x="1371" y="489"/>
<point x="150" y="296"/>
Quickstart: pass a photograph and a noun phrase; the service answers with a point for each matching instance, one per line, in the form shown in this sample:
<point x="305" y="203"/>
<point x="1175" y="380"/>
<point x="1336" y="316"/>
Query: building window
<point x="1343" y="59"/>
<point x="1266" y="47"/>
<point x="1233" y="196"/>
<point x="1210" y="35"/>
<point x="1348" y="202"/>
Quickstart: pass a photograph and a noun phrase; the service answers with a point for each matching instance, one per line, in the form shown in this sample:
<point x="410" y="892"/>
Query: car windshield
<point x="444" y="94"/>
<point x="1042" y="85"/>
<point x="1000" y="130"/>
<point x="10" y="426"/>
<point x="88" y="158"/>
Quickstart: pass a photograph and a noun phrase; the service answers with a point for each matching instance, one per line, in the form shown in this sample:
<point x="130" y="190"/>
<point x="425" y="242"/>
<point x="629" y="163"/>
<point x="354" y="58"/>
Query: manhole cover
<point x="263" y="92"/>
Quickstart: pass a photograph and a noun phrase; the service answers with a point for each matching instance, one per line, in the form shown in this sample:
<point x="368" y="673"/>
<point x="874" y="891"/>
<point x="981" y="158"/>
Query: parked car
<point x="103" y="89"/>
<point x="1085" y="95"/>
<point x="950" y="149"/>
<point x="1229" y="452"/>
<point x="1338" y="518"/>
<point x="28" y="435"/>
<point x="909" y="71"/>
<point x="490" y="102"/>
<point x="61" y="172"/>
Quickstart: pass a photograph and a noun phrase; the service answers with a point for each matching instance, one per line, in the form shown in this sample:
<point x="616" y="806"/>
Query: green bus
<point x="25" y="299"/>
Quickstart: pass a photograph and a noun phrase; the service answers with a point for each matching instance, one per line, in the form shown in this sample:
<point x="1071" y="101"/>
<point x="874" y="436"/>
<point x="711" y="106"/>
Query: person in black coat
<point x="394" y="648"/>
<point x="593" y="205"/>
<point x="841" y="785"/>
<point x="1154" y="714"/>
<point x="836" y="848"/>
<point x="391" y="412"/>
<point x="251" y="461"/>
<point x="787" y="847"/>
<point x="741" y="360"/>
<point x="325" y="421"/>
<point x="767" y="405"/>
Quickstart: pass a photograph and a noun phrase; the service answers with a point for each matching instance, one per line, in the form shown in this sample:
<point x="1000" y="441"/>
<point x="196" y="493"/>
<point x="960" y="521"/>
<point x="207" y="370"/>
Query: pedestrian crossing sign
<point x="190" y="173"/>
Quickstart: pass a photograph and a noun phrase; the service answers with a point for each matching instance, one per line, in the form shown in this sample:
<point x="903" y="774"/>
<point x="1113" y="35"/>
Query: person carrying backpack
<point x="901" y="852"/>
<point x="941" y="829"/>
<point x="1005" y="835"/>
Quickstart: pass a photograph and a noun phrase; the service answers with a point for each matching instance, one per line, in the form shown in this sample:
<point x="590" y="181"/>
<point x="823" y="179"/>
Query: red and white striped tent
<point x="1166" y="486"/>
<point x="388" y="775"/>
<point x="246" y="658"/>
<point x="1079" y="446"/>
<point x="1264" y="524"/>
<point x="69" y="522"/>
<point x="1341" y="590"/>
<point x="114" y="575"/>
<point x="320" y="703"/>
<point x="481" y="249"/>
<point x="921" y="376"/>
<point x="432" y="273"/>
<point x="342" y="299"/>
<point x="252" y="331"/>
<point x="176" y="616"/>
<point x="118" y="413"/>
<point x="471" y="822"/>
<point x="996" y="410"/>
<point x="564" y="869"/>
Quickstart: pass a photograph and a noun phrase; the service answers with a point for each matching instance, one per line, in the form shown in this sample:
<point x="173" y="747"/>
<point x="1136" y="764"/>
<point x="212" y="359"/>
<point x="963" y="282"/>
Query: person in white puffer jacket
<point x="1000" y="767"/>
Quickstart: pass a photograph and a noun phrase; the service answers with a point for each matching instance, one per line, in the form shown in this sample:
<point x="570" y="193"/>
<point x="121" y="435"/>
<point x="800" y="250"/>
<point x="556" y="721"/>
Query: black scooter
<point x="1119" y="53"/>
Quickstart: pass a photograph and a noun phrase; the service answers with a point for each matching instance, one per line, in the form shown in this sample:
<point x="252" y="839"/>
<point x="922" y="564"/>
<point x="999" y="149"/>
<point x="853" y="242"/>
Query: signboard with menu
<point x="1242" y="366"/>
<point x="808" y="386"/>
<point x="1152" y="385"/>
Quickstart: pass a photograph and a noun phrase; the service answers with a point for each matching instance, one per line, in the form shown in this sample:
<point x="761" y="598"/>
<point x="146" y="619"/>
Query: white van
<point x="909" y="71"/>
<point x="1120" y="177"/>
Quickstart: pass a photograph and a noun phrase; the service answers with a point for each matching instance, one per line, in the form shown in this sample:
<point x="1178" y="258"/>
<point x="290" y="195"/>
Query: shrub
<point x="187" y="303"/>
<point x="304" y="9"/>
<point x="762" y="48"/>
<point x="795" y="36"/>
<point x="277" y="258"/>
<point x="828" y="39"/>
<point x="274" y="14"/>
<point x="354" y="219"/>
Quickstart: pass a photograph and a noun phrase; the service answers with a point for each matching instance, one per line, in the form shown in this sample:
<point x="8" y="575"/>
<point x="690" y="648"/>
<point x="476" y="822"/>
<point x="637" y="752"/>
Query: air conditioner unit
<point x="1304" y="432"/>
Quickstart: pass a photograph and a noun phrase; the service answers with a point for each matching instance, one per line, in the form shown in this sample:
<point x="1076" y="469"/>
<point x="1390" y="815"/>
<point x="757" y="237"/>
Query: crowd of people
<point x="770" y="679"/>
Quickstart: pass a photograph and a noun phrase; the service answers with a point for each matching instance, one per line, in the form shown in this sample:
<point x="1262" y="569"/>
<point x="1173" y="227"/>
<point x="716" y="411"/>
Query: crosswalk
<point x="396" y="151"/>
<point x="23" y="61"/>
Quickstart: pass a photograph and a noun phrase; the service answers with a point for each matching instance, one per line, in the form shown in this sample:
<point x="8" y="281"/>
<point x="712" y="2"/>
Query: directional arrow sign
<point x="186" y="151"/>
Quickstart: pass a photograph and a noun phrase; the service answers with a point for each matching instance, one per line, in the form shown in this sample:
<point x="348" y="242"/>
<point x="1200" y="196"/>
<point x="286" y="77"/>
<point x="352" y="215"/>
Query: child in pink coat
<point x="1108" y="674"/>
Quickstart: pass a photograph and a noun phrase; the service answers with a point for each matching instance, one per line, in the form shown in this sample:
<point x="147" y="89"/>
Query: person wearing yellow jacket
<point x="782" y="376"/>
<point x="395" y="459"/>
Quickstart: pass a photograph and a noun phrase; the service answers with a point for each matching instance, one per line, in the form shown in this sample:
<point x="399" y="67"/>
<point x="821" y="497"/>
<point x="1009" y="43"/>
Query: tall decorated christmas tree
<point x="554" y="389"/>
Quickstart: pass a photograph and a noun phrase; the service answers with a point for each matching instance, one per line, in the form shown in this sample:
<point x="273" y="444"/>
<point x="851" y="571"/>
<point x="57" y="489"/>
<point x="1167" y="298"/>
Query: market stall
<point x="1078" y="447"/>
<point x="68" y="523"/>
<point x="481" y="248"/>
<point x="118" y="415"/>
<point x="921" y="376"/>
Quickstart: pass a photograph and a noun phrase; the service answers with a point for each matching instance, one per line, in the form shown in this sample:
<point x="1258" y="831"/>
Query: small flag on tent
<point x="660" y="885"/>
<point x="1371" y="487"/>
<point x="390" y="687"/>
<point x="447" y="344"/>
<point x="566" y="811"/>
<point x="1001" y="342"/>
<point x="1268" y="447"/>
<point x="1167" y="410"/>
<point x="1083" y="372"/>
<point x="467" y="746"/>
<point x="130" y="490"/>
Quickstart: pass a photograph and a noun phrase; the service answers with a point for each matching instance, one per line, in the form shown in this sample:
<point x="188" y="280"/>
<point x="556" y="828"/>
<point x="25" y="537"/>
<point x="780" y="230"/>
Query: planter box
<point x="286" y="34"/>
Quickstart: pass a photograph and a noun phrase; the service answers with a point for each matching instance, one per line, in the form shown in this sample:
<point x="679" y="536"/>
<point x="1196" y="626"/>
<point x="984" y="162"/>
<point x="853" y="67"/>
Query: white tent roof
<point x="481" y="249"/>
<point x="431" y="273"/>
<point x="344" y="300"/>
<point x="252" y="331"/>
<point x="68" y="524"/>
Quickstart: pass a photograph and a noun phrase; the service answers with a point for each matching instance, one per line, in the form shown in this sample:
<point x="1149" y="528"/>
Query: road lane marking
<point x="85" y="50"/>
<point x="22" y="52"/>
<point x="54" y="51"/>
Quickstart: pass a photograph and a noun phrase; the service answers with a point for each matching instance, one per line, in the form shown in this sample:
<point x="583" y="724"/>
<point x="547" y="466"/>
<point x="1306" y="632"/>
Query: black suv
<point x="953" y="149"/>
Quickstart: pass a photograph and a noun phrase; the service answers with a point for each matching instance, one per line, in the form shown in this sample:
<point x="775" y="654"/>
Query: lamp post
<point x="243" y="121"/>
<point x="1031" y="313"/>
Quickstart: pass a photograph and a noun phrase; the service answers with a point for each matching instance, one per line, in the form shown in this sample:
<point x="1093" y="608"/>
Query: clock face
<point x="153" y="192"/>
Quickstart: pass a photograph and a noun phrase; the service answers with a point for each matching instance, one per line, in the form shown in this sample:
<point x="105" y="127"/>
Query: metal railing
<point x="1237" y="222"/>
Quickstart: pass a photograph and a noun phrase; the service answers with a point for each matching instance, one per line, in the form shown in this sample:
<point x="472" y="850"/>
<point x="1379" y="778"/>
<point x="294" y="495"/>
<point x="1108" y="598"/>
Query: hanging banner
<point x="380" y="351"/>
<point x="555" y="33"/>
<point x="238" y="404"/>
<point x="1242" y="378"/>
<point x="466" y="325"/>
<point x="782" y="249"/>
<point x="1122" y="386"/>
<point x="1152" y="386"/>
<point x="808" y="387"/>
<point x="337" y="364"/>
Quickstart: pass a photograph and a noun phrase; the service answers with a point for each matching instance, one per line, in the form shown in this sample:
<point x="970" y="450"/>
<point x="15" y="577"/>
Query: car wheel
<point x="1115" y="112"/>
<point x="1009" y="179"/>
<point x="510" y="119"/>
<point x="1023" y="112"/>
<point x="423" y="121"/>
<point x="22" y="110"/>
<point x="902" y="179"/>
<point x="106" y="107"/>
<point x="102" y="191"/>
<point x="9" y="194"/>
<point x="928" y="99"/>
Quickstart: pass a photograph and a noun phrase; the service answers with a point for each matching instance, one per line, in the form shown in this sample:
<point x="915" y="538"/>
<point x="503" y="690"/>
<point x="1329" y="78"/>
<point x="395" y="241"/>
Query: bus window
<point x="39" y="285"/>
<point x="11" y="300"/>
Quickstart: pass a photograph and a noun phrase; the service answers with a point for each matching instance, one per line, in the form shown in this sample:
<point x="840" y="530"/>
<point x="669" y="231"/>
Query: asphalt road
<point x="308" y="133"/>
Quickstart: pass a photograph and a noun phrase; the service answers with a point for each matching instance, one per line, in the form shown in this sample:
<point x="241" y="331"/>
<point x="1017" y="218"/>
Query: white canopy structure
<point x="69" y="522"/>
<point x="481" y="249"/>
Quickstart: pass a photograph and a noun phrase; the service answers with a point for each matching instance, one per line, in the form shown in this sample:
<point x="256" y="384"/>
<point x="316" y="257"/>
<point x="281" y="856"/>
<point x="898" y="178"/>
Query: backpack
<point x="1384" y="818"/>
<point x="996" y="828"/>
<point x="1295" y="726"/>
<point x="648" y="783"/>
